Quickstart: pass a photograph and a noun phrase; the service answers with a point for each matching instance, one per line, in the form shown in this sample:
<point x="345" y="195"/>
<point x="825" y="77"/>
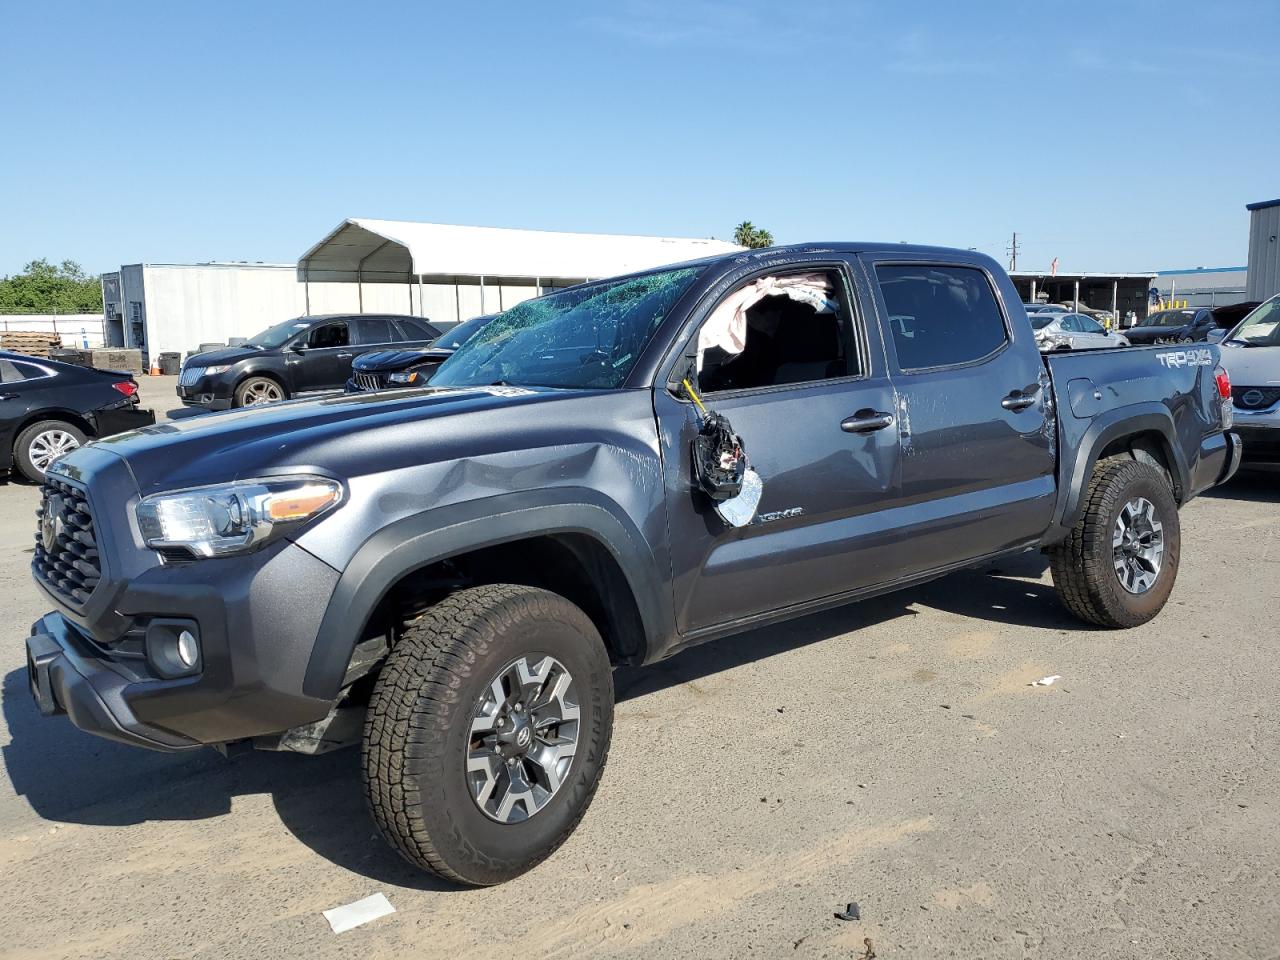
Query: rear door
<point x="811" y="399"/>
<point x="415" y="333"/>
<point x="975" y="428"/>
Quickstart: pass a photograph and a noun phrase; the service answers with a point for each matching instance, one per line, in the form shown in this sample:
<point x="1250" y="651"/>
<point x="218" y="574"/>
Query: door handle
<point x="345" y="356"/>
<point x="1018" y="400"/>
<point x="865" y="421"/>
<point x="8" y="396"/>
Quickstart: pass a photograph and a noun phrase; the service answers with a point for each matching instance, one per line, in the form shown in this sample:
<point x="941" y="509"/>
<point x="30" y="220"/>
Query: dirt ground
<point x="891" y="753"/>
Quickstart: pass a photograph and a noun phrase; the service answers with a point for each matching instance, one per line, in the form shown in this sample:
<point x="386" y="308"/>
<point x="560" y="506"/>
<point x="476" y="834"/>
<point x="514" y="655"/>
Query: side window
<point x="416" y="330"/>
<point x="776" y="330"/>
<point x="330" y="335"/>
<point x="374" y="330"/>
<point x="940" y="316"/>
<point x="1090" y="325"/>
<point x="9" y="372"/>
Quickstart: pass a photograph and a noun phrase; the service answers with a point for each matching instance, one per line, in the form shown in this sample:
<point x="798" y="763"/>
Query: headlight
<point x="404" y="377"/>
<point x="234" y="517"/>
<point x="214" y="371"/>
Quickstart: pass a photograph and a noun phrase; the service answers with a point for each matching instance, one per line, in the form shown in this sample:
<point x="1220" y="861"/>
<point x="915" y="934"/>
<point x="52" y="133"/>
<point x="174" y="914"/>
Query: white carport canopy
<point x="394" y="251"/>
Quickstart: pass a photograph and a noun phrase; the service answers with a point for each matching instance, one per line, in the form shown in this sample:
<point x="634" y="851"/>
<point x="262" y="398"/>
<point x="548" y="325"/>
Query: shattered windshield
<point x="586" y="337"/>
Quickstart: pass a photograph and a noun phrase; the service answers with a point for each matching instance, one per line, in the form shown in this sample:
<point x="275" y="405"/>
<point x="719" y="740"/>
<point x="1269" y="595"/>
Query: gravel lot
<point x="890" y="753"/>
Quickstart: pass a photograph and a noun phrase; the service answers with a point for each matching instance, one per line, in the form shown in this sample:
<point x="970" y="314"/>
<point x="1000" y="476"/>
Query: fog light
<point x="173" y="647"/>
<point x="188" y="652"/>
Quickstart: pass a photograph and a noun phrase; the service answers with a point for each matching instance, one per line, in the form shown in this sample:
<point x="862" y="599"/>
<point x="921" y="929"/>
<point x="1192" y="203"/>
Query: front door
<point x="976" y="433"/>
<point x="811" y="400"/>
<point x="325" y="361"/>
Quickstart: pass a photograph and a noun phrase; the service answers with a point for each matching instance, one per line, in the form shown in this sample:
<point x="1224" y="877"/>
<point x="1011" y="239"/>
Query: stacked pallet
<point x="30" y="343"/>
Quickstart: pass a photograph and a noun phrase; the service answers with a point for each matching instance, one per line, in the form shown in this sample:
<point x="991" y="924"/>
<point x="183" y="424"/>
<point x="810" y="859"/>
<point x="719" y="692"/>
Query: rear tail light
<point x="1224" y="398"/>
<point x="127" y="387"/>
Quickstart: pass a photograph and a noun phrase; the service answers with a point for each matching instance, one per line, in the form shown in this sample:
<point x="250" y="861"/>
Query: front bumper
<point x="65" y="678"/>
<point x="211" y="393"/>
<point x="256" y="615"/>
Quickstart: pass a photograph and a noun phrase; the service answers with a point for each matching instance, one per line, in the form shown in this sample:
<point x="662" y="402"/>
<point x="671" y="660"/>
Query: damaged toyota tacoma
<point x="605" y="475"/>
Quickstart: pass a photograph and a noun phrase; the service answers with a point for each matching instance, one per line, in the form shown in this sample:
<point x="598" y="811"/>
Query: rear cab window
<point x="941" y="315"/>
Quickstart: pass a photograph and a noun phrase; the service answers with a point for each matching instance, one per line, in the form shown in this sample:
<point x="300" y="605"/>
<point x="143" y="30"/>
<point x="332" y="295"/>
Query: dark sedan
<point x="48" y="408"/>
<point x="303" y="356"/>
<point x="1173" y="326"/>
<point x="409" y="368"/>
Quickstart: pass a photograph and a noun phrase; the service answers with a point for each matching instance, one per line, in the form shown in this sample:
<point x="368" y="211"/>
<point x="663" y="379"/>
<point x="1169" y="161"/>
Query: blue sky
<point x="1113" y="135"/>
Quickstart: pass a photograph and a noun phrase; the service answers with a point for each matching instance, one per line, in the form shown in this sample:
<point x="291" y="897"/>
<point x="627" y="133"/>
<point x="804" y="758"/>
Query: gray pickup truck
<point x="605" y="475"/>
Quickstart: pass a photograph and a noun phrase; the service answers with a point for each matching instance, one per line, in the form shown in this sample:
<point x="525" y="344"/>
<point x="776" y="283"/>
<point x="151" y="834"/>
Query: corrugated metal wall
<point x="1264" y="253"/>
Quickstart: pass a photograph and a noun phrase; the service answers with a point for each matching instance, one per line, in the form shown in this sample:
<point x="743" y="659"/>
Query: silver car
<point x="1073" y="331"/>
<point x="1251" y="356"/>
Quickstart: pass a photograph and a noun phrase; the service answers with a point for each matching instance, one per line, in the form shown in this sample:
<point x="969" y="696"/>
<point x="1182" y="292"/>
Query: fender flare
<point x="1107" y="427"/>
<point x="417" y="541"/>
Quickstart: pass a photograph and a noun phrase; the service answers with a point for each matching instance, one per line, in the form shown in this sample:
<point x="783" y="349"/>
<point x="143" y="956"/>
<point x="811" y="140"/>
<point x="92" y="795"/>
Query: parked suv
<point x="300" y="356"/>
<point x="608" y="474"/>
<point x="392" y="369"/>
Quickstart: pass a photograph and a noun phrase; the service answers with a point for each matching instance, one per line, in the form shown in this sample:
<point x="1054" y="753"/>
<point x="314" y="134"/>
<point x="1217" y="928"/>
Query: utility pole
<point x="1012" y="250"/>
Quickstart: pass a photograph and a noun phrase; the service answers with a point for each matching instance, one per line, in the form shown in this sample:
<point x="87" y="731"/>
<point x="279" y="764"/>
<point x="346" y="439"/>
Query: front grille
<point x="190" y="376"/>
<point x="66" y="554"/>
<point x="370" y="381"/>
<point x="1255" y="398"/>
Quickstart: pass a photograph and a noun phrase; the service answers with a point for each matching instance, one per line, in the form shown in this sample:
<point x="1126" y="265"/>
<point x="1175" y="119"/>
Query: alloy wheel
<point x="524" y="734"/>
<point x="262" y="391"/>
<point x="1137" y="545"/>
<point x="48" y="446"/>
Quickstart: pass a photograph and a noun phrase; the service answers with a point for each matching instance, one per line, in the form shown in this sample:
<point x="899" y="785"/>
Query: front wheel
<point x="258" y="390"/>
<point x="487" y="732"/>
<point x="41" y="443"/>
<point x="1118" y="566"/>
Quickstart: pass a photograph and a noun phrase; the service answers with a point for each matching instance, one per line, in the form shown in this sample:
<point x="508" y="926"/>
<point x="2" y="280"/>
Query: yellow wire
<point x="694" y="395"/>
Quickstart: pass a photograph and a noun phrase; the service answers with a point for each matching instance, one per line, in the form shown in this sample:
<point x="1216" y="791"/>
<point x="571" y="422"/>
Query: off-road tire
<point x="22" y="454"/>
<point x="418" y="729"/>
<point x="1082" y="565"/>
<point x="241" y="395"/>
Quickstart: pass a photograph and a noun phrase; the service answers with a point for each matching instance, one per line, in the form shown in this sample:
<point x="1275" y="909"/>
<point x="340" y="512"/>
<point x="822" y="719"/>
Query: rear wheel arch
<point x="1147" y="428"/>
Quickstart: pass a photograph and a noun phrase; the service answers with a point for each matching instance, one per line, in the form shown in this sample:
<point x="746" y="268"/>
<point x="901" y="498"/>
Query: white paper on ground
<point x="362" y="911"/>
<point x="1046" y="681"/>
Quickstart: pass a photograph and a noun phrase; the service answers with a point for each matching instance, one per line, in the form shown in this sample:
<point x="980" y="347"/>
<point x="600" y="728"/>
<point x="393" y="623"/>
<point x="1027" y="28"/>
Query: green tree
<point x="747" y="234"/>
<point x="43" y="287"/>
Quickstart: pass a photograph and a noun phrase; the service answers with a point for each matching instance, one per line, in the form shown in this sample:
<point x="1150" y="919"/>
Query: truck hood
<point x="1252" y="366"/>
<point x="346" y="436"/>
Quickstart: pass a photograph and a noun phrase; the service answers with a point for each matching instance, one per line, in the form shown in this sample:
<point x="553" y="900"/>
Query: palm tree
<point x="747" y="234"/>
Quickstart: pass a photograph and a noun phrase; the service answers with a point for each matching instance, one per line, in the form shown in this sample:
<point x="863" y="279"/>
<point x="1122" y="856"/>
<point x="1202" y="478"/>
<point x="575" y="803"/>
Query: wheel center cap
<point x="523" y="736"/>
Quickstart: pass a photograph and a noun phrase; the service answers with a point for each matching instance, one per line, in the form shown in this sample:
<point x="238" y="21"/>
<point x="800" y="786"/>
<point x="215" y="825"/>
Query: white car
<point x="1073" y="331"/>
<point x="1251" y="356"/>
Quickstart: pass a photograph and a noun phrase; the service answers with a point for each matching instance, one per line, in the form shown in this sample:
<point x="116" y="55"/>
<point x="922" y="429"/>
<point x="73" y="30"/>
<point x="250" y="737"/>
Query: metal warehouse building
<point x="1264" y="250"/>
<point x="1203" y="286"/>
<point x="444" y="272"/>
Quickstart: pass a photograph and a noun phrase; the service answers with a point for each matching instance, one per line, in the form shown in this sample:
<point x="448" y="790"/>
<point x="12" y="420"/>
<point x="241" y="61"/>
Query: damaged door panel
<point x="803" y="371"/>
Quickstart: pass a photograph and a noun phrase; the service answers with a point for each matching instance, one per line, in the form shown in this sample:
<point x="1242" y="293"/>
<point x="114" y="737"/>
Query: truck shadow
<point x="70" y="777"/>
<point x="1251" y="486"/>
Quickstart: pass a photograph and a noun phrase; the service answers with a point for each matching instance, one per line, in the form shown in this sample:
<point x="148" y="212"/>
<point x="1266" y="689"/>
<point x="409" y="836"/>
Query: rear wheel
<point x="42" y="443"/>
<point x="259" y="390"/>
<point x="1118" y="566"/>
<point x="487" y="732"/>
